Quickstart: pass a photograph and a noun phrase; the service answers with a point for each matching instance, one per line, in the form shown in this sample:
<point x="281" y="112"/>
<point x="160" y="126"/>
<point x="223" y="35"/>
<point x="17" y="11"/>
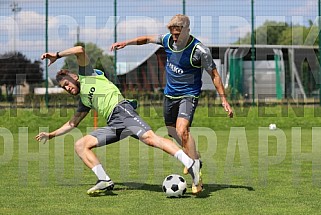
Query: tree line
<point x="17" y="69"/>
<point x="281" y="33"/>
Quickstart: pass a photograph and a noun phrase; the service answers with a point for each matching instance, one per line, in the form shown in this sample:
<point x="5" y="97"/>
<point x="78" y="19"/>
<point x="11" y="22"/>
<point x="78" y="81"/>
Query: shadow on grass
<point x="208" y="188"/>
<point x="207" y="191"/>
<point x="211" y="188"/>
<point x="138" y="186"/>
<point x="107" y="193"/>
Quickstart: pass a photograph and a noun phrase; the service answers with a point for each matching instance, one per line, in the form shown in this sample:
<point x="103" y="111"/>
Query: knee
<point x="149" y="138"/>
<point x="79" y="145"/>
<point x="85" y="143"/>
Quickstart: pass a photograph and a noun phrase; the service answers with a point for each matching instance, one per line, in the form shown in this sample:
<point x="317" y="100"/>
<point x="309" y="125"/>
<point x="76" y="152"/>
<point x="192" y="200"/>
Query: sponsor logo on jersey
<point x="174" y="68"/>
<point x="91" y="94"/>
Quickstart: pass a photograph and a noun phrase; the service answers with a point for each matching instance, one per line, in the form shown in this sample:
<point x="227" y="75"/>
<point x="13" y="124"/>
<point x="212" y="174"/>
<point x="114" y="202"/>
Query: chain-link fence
<point x="285" y="31"/>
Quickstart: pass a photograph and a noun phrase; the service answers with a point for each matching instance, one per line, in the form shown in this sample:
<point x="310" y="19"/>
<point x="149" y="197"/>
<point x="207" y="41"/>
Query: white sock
<point x="182" y="157"/>
<point x="100" y="172"/>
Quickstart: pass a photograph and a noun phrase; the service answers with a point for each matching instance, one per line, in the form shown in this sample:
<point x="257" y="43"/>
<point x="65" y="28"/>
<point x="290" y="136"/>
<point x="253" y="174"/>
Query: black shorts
<point x="179" y="107"/>
<point x="123" y="122"/>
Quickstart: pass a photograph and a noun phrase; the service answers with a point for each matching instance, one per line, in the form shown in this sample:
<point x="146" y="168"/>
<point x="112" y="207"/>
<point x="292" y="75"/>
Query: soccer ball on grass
<point x="272" y="126"/>
<point x="174" y="186"/>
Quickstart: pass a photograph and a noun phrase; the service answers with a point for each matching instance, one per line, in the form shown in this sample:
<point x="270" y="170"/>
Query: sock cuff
<point x="178" y="154"/>
<point x="94" y="169"/>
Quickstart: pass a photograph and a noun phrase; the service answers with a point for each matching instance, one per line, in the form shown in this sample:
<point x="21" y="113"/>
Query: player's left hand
<point x="228" y="109"/>
<point x="42" y="136"/>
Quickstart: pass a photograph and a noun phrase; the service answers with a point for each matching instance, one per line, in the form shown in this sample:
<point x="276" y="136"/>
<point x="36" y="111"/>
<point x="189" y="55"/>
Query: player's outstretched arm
<point x="136" y="41"/>
<point x="68" y="126"/>
<point x="79" y="51"/>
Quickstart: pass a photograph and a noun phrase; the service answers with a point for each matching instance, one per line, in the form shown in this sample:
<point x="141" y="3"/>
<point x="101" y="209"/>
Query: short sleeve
<point x="159" y="39"/>
<point x="86" y="70"/>
<point x="82" y="107"/>
<point x="205" y="56"/>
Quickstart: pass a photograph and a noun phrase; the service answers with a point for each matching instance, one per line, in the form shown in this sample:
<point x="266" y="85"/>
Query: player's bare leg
<point x="188" y="143"/>
<point x="193" y="166"/>
<point x="83" y="148"/>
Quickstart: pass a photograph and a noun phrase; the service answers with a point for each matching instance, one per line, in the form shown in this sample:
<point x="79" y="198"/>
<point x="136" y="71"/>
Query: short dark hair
<point x="62" y="74"/>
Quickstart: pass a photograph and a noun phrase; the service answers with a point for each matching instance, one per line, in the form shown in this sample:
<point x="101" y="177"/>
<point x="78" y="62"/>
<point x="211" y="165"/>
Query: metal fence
<point x="32" y="27"/>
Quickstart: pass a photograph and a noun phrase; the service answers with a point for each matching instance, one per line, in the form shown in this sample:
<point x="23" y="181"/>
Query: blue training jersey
<point x="183" y="78"/>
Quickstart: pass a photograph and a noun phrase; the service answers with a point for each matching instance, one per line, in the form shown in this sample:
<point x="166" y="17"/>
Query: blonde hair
<point x="179" y="20"/>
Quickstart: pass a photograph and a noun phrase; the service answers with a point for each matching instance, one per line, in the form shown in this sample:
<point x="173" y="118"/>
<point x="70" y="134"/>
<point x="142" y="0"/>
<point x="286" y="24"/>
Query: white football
<point x="272" y="126"/>
<point x="174" y="186"/>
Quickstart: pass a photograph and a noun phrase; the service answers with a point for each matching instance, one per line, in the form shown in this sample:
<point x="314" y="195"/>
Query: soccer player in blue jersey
<point x="186" y="59"/>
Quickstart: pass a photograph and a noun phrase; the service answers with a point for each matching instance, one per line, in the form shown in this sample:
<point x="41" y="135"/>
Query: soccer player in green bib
<point x="98" y="93"/>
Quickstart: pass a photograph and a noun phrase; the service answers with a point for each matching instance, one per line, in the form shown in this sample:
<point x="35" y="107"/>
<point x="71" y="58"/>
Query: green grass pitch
<point x="248" y="169"/>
